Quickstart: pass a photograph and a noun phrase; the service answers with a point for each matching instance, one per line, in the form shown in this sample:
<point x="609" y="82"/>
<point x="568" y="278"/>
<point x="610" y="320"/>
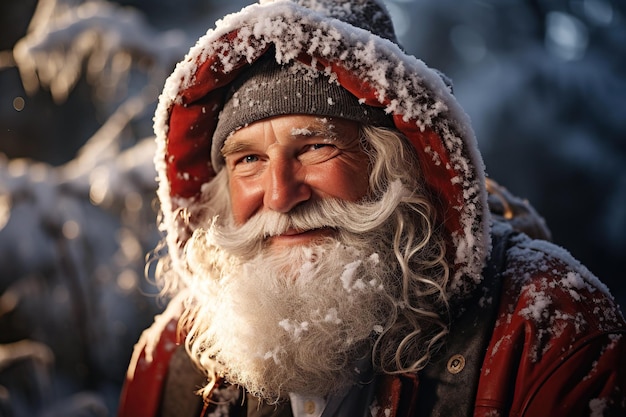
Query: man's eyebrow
<point x="314" y="131"/>
<point x="232" y="146"/>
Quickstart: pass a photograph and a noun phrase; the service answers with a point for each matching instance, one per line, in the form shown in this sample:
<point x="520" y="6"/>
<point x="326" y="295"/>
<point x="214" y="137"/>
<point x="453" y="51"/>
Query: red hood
<point x="374" y="69"/>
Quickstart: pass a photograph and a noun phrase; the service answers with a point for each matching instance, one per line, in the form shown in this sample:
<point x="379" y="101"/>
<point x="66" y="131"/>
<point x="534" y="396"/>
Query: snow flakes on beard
<point x="295" y="321"/>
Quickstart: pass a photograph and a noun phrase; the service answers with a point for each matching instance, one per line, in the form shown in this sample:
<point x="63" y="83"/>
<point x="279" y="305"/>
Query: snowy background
<point x="543" y="81"/>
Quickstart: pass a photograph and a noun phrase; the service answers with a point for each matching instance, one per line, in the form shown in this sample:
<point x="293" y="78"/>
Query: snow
<point x="548" y="287"/>
<point x="347" y="275"/>
<point x="539" y="308"/>
<point x="274" y="355"/>
<point x="301" y="132"/>
<point x="374" y="408"/>
<point x="540" y="252"/>
<point x="104" y="36"/>
<point x="597" y="406"/>
<point x="294" y="329"/>
<point x="331" y="316"/>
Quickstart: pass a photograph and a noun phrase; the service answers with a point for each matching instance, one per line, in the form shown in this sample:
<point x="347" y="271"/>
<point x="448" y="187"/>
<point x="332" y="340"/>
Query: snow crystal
<point x="273" y="355"/>
<point x="374" y="258"/>
<point x="332" y="317"/>
<point x="307" y="271"/>
<point x="293" y="328"/>
<point x="575" y="280"/>
<point x="579" y="321"/>
<point x="597" y="407"/>
<point x="374" y="408"/>
<point x="593" y="370"/>
<point x="301" y="132"/>
<point x="538" y="308"/>
<point x="436" y="158"/>
<point x="348" y="274"/>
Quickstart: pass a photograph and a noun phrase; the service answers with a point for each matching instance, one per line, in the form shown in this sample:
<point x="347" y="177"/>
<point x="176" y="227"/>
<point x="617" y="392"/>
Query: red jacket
<point x="558" y="345"/>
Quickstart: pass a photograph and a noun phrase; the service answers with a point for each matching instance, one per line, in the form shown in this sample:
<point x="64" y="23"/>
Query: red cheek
<point x="246" y="199"/>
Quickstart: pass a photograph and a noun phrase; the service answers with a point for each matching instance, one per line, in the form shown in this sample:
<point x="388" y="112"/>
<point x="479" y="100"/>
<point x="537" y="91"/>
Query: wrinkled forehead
<point x="294" y="127"/>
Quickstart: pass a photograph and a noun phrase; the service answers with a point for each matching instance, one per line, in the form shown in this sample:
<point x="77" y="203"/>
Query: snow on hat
<point x="269" y="89"/>
<point x="370" y="15"/>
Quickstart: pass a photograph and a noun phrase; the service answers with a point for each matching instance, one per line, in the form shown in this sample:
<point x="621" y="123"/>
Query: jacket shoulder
<point x="146" y="375"/>
<point x="558" y="343"/>
<point x="546" y="287"/>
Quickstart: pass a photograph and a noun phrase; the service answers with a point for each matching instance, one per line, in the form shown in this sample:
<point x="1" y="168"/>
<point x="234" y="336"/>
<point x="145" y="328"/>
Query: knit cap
<point x="269" y="89"/>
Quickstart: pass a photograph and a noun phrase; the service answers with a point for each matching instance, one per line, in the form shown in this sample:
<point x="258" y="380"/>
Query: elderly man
<point x="330" y="247"/>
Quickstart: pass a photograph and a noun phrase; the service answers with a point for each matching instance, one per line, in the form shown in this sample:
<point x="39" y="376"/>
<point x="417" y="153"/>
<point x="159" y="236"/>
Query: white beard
<point x="303" y="320"/>
<point x="296" y="324"/>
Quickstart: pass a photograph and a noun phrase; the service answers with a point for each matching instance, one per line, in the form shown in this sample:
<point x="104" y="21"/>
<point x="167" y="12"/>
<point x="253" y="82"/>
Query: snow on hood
<point x="372" y="67"/>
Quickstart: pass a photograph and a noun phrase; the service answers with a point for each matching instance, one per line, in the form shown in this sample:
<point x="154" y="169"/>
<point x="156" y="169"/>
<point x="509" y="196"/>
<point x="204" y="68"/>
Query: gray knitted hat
<point x="269" y="89"/>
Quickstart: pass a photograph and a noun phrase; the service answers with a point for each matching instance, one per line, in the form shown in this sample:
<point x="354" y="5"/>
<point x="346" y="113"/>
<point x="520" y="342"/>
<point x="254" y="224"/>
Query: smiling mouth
<point x="295" y="237"/>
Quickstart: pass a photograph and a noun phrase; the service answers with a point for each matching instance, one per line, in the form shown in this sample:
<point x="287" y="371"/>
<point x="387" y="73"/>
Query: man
<point x="330" y="247"/>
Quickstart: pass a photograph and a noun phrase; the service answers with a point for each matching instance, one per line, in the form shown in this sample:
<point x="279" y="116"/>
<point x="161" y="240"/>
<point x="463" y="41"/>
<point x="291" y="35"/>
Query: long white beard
<point x="297" y="321"/>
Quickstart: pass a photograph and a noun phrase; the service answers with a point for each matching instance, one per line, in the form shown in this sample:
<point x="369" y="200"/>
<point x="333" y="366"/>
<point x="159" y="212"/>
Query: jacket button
<point x="456" y="364"/>
<point x="309" y="407"/>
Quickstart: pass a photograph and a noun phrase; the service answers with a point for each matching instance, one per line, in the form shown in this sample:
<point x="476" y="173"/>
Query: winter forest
<point x="544" y="83"/>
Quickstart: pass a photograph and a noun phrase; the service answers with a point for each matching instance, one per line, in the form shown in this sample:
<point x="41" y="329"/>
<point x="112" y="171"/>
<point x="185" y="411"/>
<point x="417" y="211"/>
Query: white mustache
<point x="344" y="216"/>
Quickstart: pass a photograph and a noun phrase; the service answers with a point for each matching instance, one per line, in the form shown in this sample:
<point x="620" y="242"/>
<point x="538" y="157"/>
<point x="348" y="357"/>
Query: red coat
<point x="558" y="346"/>
<point x="557" y="349"/>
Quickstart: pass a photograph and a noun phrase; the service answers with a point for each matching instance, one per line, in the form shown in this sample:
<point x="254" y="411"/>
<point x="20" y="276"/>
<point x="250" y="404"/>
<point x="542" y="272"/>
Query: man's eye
<point x="319" y="146"/>
<point x="249" y="159"/>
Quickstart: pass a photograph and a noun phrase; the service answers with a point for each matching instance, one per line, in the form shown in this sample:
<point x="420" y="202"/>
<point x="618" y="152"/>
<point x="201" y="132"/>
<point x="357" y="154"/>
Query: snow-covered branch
<point x="104" y="40"/>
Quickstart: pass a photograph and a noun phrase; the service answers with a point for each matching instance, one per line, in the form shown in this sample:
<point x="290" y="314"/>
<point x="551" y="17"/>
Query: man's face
<point x="300" y="310"/>
<point x="275" y="164"/>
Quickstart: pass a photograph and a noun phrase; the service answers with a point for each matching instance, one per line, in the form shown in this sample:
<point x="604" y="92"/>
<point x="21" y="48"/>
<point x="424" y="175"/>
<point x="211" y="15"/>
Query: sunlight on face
<point x="281" y="162"/>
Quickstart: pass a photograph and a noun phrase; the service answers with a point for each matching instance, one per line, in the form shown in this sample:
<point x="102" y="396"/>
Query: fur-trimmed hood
<point x="354" y="42"/>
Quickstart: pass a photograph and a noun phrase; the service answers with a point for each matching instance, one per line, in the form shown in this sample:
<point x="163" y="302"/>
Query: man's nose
<point x="285" y="187"/>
